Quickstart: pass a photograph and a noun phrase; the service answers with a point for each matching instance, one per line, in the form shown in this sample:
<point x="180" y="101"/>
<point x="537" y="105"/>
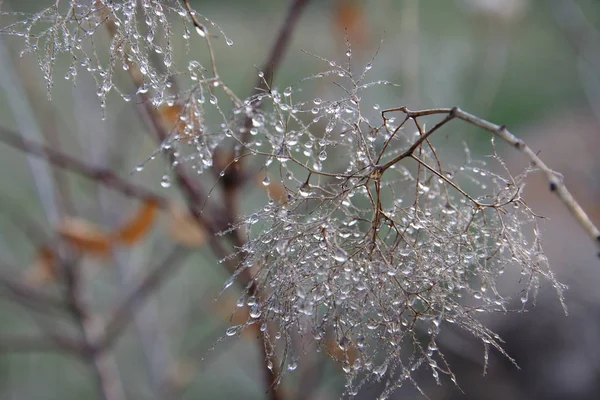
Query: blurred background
<point x="532" y="65"/>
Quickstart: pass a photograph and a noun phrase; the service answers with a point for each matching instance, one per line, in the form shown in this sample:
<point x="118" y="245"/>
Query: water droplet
<point x="287" y="92"/>
<point x="258" y="120"/>
<point x="368" y="66"/>
<point x="348" y="53"/>
<point x="340" y="255"/>
<point x="304" y="190"/>
<point x="213" y="99"/>
<point x="261" y="74"/>
<point x="139" y="167"/>
<point x="201" y="31"/>
<point x="323" y="155"/>
<point x="317" y="101"/>
<point x="229" y="42"/>
<point x="165" y="181"/>
<point x="266" y="181"/>
<point x="292" y="366"/>
<point x="281" y="246"/>
<point x="233" y="330"/>
<point x="255" y="311"/>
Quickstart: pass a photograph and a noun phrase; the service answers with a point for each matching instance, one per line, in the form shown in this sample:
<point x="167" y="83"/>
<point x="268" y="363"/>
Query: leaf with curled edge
<point x="85" y="236"/>
<point x="133" y="231"/>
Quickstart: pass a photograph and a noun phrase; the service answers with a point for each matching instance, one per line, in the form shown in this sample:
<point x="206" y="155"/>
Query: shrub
<point x="370" y="254"/>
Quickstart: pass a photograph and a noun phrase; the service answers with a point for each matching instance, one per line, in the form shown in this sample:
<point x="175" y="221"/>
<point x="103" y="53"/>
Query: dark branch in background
<point x="269" y="69"/>
<point x="149" y="285"/>
<point x="42" y="344"/>
<point x="62" y="160"/>
<point x="270" y="66"/>
<point x="29" y="296"/>
<point x="77" y="308"/>
<point x="233" y="179"/>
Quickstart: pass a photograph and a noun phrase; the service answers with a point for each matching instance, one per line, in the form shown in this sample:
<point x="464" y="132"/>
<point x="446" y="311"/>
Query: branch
<point x="29" y="296"/>
<point x="42" y="344"/>
<point x="555" y="183"/>
<point x="62" y="160"/>
<point x="108" y="384"/>
<point x="120" y="318"/>
<point x="282" y="41"/>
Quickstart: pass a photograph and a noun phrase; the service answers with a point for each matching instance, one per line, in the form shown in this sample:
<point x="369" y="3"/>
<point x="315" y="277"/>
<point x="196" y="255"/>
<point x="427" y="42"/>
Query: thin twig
<point x="555" y="183"/>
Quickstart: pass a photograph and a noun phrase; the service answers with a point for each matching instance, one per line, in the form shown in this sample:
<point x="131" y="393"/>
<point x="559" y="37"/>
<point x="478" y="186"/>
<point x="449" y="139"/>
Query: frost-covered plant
<point x="378" y="240"/>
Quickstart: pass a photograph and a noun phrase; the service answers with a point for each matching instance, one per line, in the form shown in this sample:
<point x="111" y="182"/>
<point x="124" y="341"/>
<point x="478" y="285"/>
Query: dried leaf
<point x="349" y="20"/>
<point x="139" y="225"/>
<point x="184" y="228"/>
<point x="170" y="115"/>
<point x="85" y="236"/>
<point x="350" y="353"/>
<point x="42" y="269"/>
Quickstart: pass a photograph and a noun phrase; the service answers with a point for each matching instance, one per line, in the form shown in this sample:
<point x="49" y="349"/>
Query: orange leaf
<point x="85" y="236"/>
<point x="139" y="225"/>
<point x="349" y="20"/>
<point x="170" y="116"/>
<point x="351" y="353"/>
<point x="184" y="228"/>
<point x="42" y="270"/>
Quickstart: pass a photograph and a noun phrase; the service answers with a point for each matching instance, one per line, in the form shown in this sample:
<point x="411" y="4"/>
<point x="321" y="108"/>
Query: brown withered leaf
<point x="170" y="115"/>
<point x="42" y="269"/>
<point x="134" y="229"/>
<point x="351" y="353"/>
<point x="349" y="21"/>
<point x="184" y="228"/>
<point x="85" y="236"/>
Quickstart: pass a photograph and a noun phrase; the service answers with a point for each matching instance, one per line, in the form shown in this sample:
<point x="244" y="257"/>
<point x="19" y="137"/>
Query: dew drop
<point x="229" y="42"/>
<point x="233" y="330"/>
<point x="165" y="181"/>
<point x="340" y="255"/>
<point x="213" y="99"/>
<point x="201" y="31"/>
<point x="266" y="181"/>
<point x="255" y="311"/>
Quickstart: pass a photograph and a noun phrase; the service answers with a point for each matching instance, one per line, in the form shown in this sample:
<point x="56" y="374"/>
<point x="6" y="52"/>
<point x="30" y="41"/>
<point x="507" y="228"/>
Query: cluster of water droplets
<point x="377" y="263"/>
<point x="140" y="38"/>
